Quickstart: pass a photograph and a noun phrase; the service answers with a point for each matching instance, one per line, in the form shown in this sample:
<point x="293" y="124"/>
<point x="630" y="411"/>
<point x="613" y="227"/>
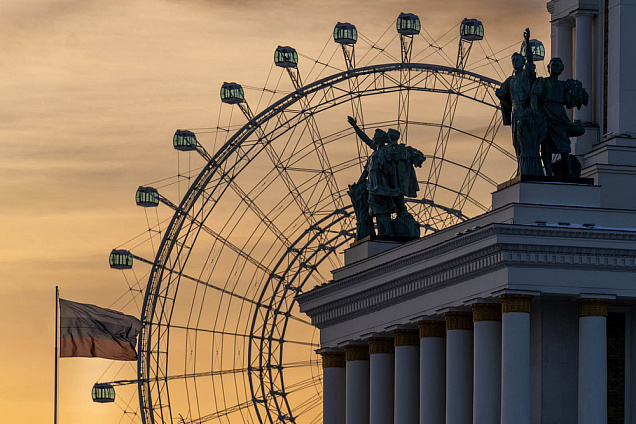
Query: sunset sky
<point x="92" y="92"/>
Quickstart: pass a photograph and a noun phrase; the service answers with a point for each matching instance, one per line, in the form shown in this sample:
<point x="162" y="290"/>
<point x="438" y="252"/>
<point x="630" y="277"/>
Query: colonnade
<point x="472" y="366"/>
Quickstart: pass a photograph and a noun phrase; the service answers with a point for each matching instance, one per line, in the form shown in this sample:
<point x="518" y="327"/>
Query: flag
<point x="94" y="332"/>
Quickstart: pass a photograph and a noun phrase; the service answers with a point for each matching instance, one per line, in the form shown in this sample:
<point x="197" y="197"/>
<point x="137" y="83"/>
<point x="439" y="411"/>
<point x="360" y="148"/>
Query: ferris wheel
<point x="267" y="216"/>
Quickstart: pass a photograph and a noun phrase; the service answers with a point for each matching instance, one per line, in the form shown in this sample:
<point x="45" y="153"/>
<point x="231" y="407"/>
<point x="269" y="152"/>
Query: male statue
<point x="388" y="177"/>
<point x="528" y="127"/>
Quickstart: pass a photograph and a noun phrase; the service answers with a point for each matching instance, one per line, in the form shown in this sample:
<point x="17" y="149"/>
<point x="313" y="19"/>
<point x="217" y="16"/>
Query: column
<point x="432" y="372"/>
<point x="333" y="386"/>
<point x="357" y="396"/>
<point x="583" y="60"/>
<point x="515" y="359"/>
<point x="381" y="351"/>
<point x="407" y="371"/>
<point x="459" y="367"/>
<point x="487" y="363"/>
<point x="592" y="361"/>
<point x="564" y="46"/>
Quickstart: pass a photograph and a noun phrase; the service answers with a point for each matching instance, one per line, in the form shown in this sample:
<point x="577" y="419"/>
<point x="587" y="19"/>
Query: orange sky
<point x="92" y="92"/>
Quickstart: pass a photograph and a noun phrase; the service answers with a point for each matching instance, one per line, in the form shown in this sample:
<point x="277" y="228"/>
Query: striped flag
<point x="94" y="332"/>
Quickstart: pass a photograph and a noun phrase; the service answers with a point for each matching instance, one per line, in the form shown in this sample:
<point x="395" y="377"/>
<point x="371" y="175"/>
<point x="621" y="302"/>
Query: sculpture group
<point x="388" y="177"/>
<point x="535" y="109"/>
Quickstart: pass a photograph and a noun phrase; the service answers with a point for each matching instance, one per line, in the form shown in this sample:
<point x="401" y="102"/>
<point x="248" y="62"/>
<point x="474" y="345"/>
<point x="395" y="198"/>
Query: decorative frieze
<point x="406" y="337"/>
<point x="381" y="345"/>
<point x="458" y="320"/>
<point x="376" y="289"/>
<point x="357" y="353"/>
<point x="432" y="329"/>
<point x="486" y="312"/>
<point x="593" y="307"/>
<point x="333" y="360"/>
<point x="515" y="303"/>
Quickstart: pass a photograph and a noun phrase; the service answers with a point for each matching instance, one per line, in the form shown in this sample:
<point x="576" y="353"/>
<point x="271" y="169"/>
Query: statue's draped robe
<point x="551" y="97"/>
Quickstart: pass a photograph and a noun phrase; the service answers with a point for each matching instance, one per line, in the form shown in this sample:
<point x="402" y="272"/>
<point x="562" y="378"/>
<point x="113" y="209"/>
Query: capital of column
<point x="515" y="303"/>
<point x="458" y="320"/>
<point x="584" y="12"/>
<point x="567" y="22"/>
<point x="432" y="329"/>
<point x="381" y="345"/>
<point x="405" y="337"/>
<point x="333" y="359"/>
<point x="593" y="307"/>
<point x="486" y="312"/>
<point x="356" y="353"/>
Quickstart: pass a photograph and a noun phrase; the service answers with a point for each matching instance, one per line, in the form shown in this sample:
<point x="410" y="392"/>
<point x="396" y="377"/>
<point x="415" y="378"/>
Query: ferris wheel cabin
<point x="345" y="33"/>
<point x="147" y="197"/>
<point x="103" y="393"/>
<point x="538" y="51"/>
<point x="286" y="57"/>
<point x="232" y="93"/>
<point x="408" y="24"/>
<point x="184" y="140"/>
<point x="471" y="30"/>
<point x="120" y="259"/>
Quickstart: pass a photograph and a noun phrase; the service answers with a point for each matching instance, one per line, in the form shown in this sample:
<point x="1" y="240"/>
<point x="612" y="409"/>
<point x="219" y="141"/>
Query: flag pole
<point x="57" y="328"/>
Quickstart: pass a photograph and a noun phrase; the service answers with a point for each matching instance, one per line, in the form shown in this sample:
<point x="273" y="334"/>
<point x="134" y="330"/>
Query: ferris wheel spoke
<point x="477" y="163"/>
<point x="241" y="335"/>
<point x="223" y="240"/>
<point x="217" y="288"/>
<point x="308" y="405"/>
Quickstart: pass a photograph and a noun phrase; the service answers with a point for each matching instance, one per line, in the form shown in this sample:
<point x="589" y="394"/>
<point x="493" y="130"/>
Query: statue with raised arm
<point x="549" y="97"/>
<point x="388" y="177"/>
<point x="527" y="124"/>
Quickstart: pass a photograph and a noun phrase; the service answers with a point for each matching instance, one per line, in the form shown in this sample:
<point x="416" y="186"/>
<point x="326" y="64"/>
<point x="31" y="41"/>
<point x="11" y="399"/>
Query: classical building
<point x="524" y="314"/>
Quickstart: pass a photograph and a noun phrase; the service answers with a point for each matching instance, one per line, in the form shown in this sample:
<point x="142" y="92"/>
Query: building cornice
<point x="528" y="252"/>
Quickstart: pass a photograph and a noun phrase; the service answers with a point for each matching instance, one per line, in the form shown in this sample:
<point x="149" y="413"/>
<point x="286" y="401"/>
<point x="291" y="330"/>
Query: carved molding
<point x="458" y="320"/>
<point x="406" y="338"/>
<point x="462" y="268"/>
<point x="357" y="353"/>
<point x="432" y="329"/>
<point x="515" y="303"/>
<point x="381" y="345"/>
<point x="333" y="360"/>
<point x="589" y="307"/>
<point x="486" y="312"/>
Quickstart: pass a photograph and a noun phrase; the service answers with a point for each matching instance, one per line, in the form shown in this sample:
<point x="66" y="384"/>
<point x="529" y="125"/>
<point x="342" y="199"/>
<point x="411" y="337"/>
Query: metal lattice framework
<point x="329" y="226"/>
<point x="267" y="217"/>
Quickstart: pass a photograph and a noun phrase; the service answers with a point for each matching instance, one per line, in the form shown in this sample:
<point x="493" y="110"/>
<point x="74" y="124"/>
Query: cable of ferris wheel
<point x="227" y="333"/>
<point x="207" y="284"/>
<point x="492" y="62"/>
<point x="435" y="42"/>
<point x="374" y="45"/>
<point x="291" y="365"/>
<point x="317" y="61"/>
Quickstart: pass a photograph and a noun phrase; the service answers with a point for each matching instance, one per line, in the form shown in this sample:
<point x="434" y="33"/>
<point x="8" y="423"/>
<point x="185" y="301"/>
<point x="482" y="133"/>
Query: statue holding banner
<point x="388" y="177"/>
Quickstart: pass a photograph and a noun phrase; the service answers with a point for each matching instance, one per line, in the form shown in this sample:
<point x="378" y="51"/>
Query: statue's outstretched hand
<point x="526" y="35"/>
<point x="352" y="120"/>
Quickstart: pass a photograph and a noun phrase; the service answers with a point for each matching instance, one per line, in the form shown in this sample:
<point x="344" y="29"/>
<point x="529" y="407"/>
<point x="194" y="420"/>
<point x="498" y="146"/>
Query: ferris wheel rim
<point x="221" y="155"/>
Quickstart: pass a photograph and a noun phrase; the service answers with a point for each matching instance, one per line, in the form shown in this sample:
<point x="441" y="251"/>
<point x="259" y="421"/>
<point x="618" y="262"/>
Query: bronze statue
<point x="389" y="176"/>
<point x="528" y="126"/>
<point x="548" y="97"/>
